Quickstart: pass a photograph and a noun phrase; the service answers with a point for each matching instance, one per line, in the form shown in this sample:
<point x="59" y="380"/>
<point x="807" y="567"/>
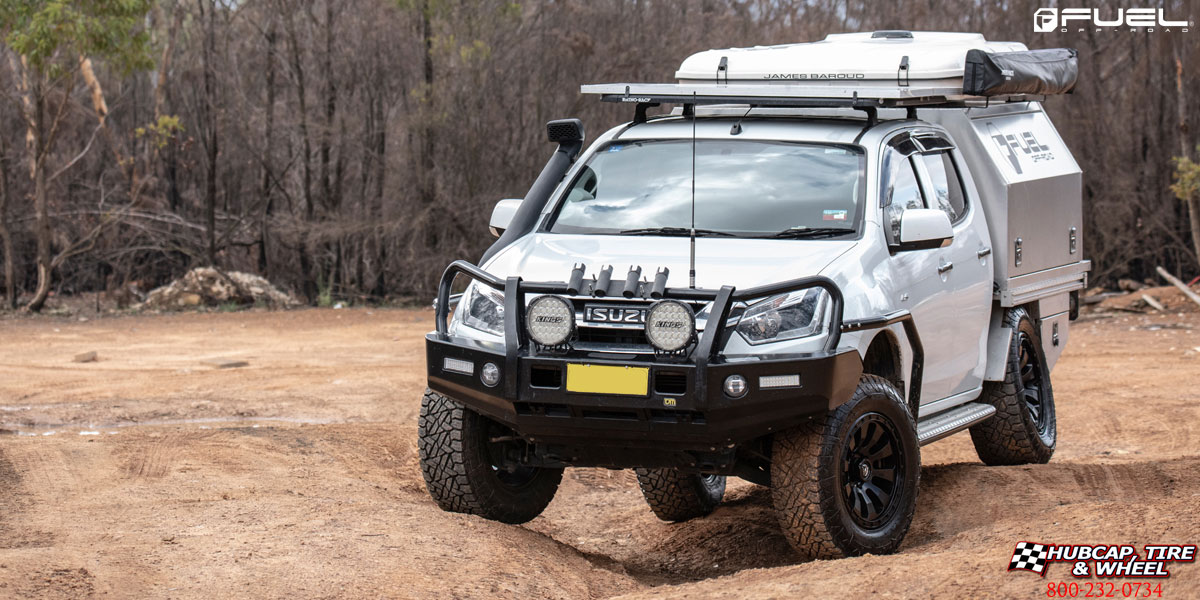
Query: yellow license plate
<point x="608" y="379"/>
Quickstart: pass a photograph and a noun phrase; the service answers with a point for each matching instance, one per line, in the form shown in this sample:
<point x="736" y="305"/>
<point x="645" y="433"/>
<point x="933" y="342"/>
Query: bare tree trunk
<point x="210" y="191"/>
<point x="6" y="245"/>
<point x="264" y="259"/>
<point x="41" y="227"/>
<point x="425" y="177"/>
<point x="1193" y="201"/>
<point x="308" y="284"/>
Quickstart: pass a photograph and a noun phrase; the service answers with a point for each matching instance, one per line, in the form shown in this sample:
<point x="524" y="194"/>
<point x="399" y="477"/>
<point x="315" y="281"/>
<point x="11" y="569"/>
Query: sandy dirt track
<point x="150" y="473"/>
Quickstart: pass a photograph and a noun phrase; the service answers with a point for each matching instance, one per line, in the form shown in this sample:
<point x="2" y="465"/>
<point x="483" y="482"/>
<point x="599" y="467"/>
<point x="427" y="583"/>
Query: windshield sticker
<point x="833" y="215"/>
<point x="614" y="148"/>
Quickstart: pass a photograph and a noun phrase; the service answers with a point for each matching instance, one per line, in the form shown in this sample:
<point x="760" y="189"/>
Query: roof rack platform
<point x="790" y="95"/>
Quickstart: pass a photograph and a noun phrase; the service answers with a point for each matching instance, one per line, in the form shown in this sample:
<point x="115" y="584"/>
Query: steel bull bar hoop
<point x="708" y="347"/>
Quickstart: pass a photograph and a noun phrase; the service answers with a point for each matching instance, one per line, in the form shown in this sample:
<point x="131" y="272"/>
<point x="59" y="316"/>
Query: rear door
<point x="964" y="267"/>
<point x="946" y="289"/>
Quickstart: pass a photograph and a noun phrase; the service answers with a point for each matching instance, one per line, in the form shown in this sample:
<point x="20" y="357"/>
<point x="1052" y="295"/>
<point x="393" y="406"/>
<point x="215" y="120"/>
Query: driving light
<point x="670" y="325"/>
<point x="455" y="365"/>
<point x="551" y="320"/>
<point x="735" y="386"/>
<point x="779" y="381"/>
<point x="489" y="374"/>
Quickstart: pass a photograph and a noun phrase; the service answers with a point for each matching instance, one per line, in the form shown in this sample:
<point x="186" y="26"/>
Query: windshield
<point x="743" y="187"/>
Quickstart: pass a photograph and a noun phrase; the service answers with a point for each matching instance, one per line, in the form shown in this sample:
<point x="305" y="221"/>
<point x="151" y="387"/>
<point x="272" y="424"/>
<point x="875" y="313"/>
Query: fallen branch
<point x="1153" y="303"/>
<point x="1179" y="284"/>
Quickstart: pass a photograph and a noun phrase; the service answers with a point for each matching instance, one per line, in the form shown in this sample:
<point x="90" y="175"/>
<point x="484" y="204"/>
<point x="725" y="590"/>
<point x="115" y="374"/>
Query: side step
<point x="953" y="421"/>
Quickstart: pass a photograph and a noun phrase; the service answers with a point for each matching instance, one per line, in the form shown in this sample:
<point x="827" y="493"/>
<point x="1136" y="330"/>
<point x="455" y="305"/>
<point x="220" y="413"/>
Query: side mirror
<point x="502" y="215"/>
<point x="924" y="228"/>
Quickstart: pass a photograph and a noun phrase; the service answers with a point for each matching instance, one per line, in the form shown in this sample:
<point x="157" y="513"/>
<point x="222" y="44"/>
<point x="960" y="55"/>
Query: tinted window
<point x="743" y="187"/>
<point x="901" y="191"/>
<point x="947" y="189"/>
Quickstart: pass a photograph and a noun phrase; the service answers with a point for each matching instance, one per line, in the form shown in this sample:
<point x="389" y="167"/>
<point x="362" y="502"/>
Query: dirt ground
<point x="152" y="473"/>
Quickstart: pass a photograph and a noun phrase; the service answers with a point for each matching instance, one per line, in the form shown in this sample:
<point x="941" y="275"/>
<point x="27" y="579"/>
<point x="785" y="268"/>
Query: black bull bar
<point x="704" y="353"/>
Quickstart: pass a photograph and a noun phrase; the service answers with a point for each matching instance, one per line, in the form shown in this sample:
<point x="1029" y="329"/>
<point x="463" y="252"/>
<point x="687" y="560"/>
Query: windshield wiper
<point x="675" y="231"/>
<point x="806" y="232"/>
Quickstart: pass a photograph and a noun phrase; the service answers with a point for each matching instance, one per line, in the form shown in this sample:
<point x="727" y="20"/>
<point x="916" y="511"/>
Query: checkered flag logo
<point x="1029" y="557"/>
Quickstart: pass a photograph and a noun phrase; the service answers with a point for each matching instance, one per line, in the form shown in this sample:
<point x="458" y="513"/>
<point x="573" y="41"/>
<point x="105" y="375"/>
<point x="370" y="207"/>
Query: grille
<point x="624" y="339"/>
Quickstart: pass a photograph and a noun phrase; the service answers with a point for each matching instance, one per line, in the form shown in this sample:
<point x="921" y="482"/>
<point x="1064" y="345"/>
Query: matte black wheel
<point x="467" y="468"/>
<point x="845" y="484"/>
<point x="1024" y="428"/>
<point x="872" y="470"/>
<point x="676" y="496"/>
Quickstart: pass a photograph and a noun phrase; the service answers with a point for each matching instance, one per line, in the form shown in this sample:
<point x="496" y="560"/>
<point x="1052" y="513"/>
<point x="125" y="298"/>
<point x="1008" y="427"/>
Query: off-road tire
<point x="809" y="486"/>
<point x="677" y="496"/>
<point x="452" y="442"/>
<point x="1012" y="436"/>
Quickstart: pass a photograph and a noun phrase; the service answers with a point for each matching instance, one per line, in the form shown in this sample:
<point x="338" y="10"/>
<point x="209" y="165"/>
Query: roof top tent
<point x="984" y="93"/>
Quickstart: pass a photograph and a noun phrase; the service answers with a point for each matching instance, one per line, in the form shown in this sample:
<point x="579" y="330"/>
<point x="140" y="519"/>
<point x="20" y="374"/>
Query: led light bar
<point x="767" y="382"/>
<point x="455" y="365"/>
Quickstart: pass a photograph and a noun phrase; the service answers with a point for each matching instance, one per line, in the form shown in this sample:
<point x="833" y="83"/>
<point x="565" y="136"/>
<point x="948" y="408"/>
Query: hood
<point x="738" y="262"/>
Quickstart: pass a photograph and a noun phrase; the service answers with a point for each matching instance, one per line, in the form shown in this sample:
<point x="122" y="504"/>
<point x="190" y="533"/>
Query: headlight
<point x="785" y="317"/>
<point x="483" y="309"/>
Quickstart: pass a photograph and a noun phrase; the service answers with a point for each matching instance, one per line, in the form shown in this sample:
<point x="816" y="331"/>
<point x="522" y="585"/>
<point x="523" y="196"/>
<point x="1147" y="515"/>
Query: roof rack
<point x="791" y="95"/>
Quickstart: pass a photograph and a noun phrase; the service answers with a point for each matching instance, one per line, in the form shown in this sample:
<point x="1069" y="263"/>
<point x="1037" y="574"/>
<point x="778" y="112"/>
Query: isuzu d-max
<point x="826" y="256"/>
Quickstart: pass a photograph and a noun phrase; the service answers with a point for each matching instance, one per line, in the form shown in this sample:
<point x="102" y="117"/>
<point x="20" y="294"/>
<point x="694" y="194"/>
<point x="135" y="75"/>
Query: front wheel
<point x="466" y="468"/>
<point x="845" y="484"/>
<point x="678" y="496"/>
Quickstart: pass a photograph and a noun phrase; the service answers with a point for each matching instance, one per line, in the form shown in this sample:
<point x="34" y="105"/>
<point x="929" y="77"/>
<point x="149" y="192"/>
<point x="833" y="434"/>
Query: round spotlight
<point x="670" y="325"/>
<point x="735" y="386"/>
<point x="489" y="374"/>
<point x="551" y="320"/>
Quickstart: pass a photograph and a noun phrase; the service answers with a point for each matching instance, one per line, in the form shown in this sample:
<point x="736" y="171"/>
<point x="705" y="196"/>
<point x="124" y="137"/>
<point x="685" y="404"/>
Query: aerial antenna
<point x="692" y="261"/>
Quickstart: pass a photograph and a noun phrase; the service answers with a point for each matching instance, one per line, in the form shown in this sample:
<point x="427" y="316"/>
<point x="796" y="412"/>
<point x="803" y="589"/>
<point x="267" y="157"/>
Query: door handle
<point x="983" y="252"/>
<point x="945" y="266"/>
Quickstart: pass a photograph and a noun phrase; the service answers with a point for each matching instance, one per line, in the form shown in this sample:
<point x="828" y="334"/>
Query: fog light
<point x="490" y="374"/>
<point x="551" y="320"/>
<point x="455" y="365"/>
<point x="735" y="386"/>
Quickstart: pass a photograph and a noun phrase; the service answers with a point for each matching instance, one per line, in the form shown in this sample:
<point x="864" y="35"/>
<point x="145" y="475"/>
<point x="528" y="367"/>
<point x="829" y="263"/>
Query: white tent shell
<point x="880" y="68"/>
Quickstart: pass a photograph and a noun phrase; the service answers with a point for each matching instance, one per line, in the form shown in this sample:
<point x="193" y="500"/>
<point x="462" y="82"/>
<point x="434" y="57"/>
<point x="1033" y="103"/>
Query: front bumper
<point x="685" y="408"/>
<point x="685" y="419"/>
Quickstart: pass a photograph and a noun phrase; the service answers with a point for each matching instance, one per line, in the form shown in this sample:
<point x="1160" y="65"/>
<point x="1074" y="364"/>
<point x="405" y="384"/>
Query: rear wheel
<point x="467" y="465"/>
<point x="1024" y="429"/>
<point x="845" y="484"/>
<point x="677" y="496"/>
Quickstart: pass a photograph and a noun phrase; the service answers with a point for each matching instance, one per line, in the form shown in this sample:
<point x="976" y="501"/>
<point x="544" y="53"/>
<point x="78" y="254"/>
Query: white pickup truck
<point x="828" y="255"/>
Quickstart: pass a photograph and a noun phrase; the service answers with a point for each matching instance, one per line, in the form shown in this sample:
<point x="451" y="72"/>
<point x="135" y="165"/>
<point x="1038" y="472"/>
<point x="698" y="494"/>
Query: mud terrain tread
<point x="439" y="445"/>
<point x="1006" y="438"/>
<point x="458" y="476"/>
<point x="796" y="478"/>
<point x="804" y="461"/>
<point x="676" y="496"/>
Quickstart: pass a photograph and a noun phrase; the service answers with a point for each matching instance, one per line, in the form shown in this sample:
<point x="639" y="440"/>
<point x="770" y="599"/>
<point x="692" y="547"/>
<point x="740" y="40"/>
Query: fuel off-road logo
<point x="1020" y="144"/>
<point x="1081" y="20"/>
<point x="1101" y="560"/>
